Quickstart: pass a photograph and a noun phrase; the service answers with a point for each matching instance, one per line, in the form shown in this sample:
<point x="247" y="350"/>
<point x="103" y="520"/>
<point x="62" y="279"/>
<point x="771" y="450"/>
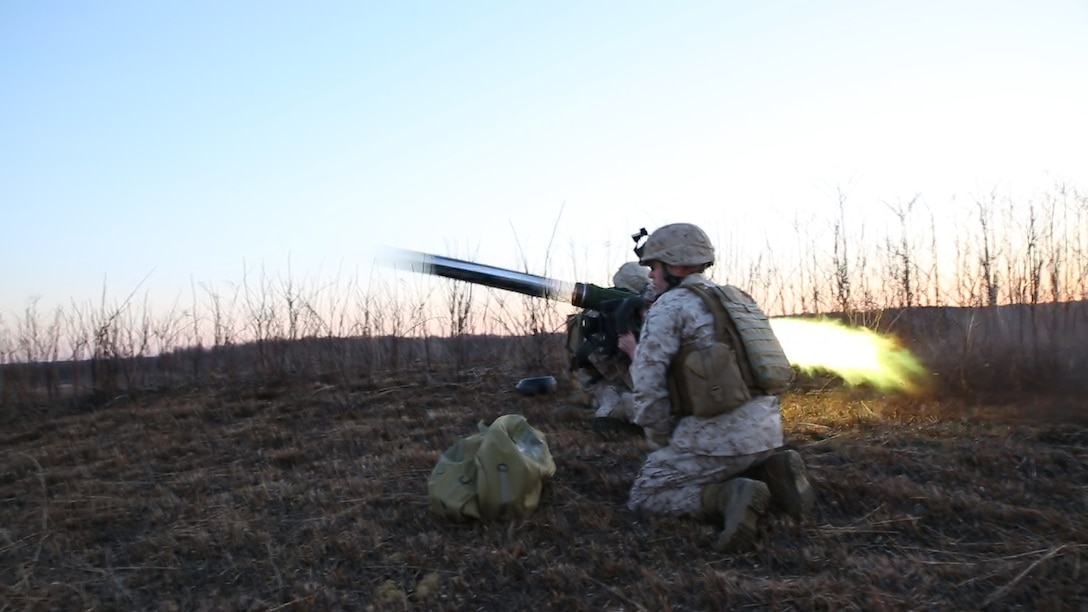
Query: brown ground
<point x="313" y="496"/>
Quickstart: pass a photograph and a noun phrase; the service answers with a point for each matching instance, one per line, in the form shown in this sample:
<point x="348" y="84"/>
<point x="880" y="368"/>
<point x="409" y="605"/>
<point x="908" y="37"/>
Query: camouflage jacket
<point x="678" y="318"/>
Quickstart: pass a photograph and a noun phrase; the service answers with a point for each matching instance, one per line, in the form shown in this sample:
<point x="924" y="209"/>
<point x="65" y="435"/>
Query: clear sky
<point x="180" y="142"/>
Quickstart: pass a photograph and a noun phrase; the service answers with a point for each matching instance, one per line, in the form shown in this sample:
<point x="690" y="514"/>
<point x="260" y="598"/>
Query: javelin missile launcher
<point x="614" y="311"/>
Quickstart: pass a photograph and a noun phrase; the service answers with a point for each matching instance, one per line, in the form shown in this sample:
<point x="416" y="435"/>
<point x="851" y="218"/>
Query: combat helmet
<point x="677" y="244"/>
<point x="631" y="276"/>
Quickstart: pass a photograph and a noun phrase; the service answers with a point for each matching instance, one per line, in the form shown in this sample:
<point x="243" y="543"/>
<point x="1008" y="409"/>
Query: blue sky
<point x="181" y="142"/>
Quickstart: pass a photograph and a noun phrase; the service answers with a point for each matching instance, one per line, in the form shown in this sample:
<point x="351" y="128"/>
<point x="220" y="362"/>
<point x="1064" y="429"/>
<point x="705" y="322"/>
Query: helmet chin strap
<point x="670" y="279"/>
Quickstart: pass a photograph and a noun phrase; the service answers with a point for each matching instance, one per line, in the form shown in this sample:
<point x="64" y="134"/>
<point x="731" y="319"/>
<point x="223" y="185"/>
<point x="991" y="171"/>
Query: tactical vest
<point x="745" y="360"/>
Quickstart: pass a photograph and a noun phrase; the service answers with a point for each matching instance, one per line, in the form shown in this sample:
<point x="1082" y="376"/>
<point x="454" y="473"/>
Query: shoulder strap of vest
<point x="727" y="330"/>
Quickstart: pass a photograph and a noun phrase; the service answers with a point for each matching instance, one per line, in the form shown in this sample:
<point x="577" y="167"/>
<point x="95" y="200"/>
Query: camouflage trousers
<point x="614" y="401"/>
<point x="671" y="481"/>
<point x="609" y="392"/>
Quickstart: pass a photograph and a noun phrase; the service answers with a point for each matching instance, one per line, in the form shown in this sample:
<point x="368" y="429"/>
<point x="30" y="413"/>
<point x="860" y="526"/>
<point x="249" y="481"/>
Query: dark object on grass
<point x="537" y="385"/>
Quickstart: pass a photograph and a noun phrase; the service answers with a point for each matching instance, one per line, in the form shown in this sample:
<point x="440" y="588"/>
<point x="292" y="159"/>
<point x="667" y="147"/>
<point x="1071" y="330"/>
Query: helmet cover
<point x="678" y="244"/>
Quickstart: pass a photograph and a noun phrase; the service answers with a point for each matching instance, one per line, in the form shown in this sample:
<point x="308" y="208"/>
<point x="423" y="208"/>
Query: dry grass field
<point x="266" y="445"/>
<point x="305" y="495"/>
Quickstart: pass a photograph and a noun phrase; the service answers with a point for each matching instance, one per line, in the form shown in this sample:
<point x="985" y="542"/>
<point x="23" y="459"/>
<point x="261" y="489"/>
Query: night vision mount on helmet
<point x="677" y="244"/>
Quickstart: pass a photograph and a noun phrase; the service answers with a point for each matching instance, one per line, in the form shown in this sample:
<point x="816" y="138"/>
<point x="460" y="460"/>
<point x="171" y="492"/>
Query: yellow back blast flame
<point x="857" y="354"/>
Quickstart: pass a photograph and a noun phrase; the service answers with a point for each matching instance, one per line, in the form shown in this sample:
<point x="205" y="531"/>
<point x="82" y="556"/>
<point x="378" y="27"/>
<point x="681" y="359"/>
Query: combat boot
<point x="738" y="503"/>
<point x="784" y="473"/>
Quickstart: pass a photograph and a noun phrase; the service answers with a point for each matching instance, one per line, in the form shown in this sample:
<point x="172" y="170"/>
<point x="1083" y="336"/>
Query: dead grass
<point x="312" y="496"/>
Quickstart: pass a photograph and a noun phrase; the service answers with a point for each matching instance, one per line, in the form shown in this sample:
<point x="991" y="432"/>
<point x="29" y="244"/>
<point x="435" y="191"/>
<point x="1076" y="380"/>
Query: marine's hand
<point x="627" y="343"/>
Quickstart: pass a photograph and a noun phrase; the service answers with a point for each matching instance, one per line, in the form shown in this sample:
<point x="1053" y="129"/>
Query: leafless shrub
<point x="974" y="258"/>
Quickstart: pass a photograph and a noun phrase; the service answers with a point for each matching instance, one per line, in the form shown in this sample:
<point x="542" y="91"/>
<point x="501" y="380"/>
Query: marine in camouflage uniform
<point x="727" y="468"/>
<point x="608" y="382"/>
